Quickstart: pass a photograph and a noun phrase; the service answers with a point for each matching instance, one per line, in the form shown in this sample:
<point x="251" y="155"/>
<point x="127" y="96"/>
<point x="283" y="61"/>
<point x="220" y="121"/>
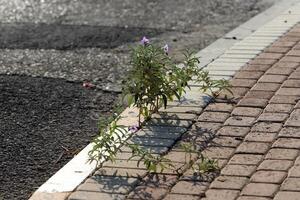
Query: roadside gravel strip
<point x="48" y="48"/>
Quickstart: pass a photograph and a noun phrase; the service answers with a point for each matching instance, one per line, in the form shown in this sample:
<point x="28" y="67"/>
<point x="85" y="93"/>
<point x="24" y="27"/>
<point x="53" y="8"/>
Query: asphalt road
<point x="49" y="47"/>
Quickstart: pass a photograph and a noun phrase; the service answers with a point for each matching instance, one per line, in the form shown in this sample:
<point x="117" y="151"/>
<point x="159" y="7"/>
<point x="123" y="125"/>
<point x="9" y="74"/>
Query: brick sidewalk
<point x="255" y="137"/>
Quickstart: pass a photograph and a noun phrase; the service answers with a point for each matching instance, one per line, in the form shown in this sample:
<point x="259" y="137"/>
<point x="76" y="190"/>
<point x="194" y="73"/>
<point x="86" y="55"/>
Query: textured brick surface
<point x="280" y="108"/>
<point x="254" y="102"/>
<point x="272" y="79"/>
<point x="266" y="127"/>
<point x="268" y="177"/>
<point x="246" y="111"/>
<point x="254" y="135"/>
<point x="282" y="154"/>
<point x="291" y="184"/>
<point x="247" y="159"/>
<point x="260" y="137"/>
<point x="260" y="189"/>
<point x="278" y="165"/>
<point x="253" y="147"/>
<point x="238" y="170"/>
<point x="229" y="182"/>
<point x="283" y="195"/>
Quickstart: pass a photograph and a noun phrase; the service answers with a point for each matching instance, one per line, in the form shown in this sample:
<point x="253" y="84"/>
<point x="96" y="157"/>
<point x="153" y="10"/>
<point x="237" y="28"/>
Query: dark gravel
<point x="47" y="48"/>
<point x="42" y="118"/>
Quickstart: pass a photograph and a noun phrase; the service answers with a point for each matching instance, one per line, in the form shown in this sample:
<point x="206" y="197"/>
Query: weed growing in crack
<point x="152" y="82"/>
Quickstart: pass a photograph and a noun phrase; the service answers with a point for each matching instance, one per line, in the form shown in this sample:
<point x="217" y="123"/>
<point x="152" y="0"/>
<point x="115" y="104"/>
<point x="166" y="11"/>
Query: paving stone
<point x="253" y="148"/>
<point x="153" y="187"/>
<point x="268" y="177"/>
<point x="294" y="119"/>
<point x="182" y="109"/>
<point x="277" y="49"/>
<point x="182" y="116"/>
<point x="291" y="184"/>
<point x="180" y="156"/>
<point x="229" y="182"/>
<point x="266" y="127"/>
<point x="234" y="131"/>
<point x="248" y="75"/>
<point x="283" y="44"/>
<point x="275" y="56"/>
<point x="295" y="75"/>
<point x="279" y="108"/>
<point x="291" y="59"/>
<point x="246" y="111"/>
<point x="85" y="195"/>
<point x="163" y="133"/>
<point x="288" y="91"/>
<point x="282" y="154"/>
<point x="152" y="149"/>
<point x="284" y="99"/>
<point x="277" y="165"/>
<point x="283" y="195"/>
<point x="225" y="141"/>
<point x="294" y="171"/>
<point x="263" y="61"/>
<point x="294" y="52"/>
<point x="193" y="175"/>
<point x="125" y="156"/>
<point x="261" y="68"/>
<point x="190" y="187"/>
<point x="212" y="194"/>
<point x="169" y="122"/>
<point x="213" y="116"/>
<point x="260" y="137"/>
<point x="211" y="127"/>
<point x="291" y="83"/>
<point x="272" y="79"/>
<point x="280" y="71"/>
<point x="125" y="172"/>
<point x="146" y="141"/>
<point x="238" y="170"/>
<point x="260" y="189"/>
<point x="144" y="192"/>
<point x="248" y="83"/>
<point x="181" y="197"/>
<point x="240" y="121"/>
<point x="253" y="102"/>
<point x="124" y="164"/>
<point x="290" y="39"/>
<point x="245" y="159"/>
<point x="218" y="152"/>
<point x="260" y="94"/>
<point x="219" y="107"/>
<point x="253" y="198"/>
<point x="266" y="86"/>
<point x="273" y="117"/>
<point x="286" y="65"/>
<point x="109" y="184"/>
<point x="235" y="92"/>
<point x="288" y="143"/>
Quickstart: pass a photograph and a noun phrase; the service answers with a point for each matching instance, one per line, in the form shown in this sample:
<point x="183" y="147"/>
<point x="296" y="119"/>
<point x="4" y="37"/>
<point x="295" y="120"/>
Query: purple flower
<point x="134" y="128"/>
<point x="166" y="49"/>
<point x="145" y="41"/>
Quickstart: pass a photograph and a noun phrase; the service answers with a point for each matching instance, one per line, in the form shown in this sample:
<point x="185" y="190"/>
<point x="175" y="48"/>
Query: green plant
<point x="153" y="163"/>
<point x="110" y="138"/>
<point x="152" y="82"/>
<point x="155" y="79"/>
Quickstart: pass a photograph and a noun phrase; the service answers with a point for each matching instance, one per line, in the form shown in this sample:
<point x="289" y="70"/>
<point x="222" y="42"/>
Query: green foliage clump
<point x="152" y="82"/>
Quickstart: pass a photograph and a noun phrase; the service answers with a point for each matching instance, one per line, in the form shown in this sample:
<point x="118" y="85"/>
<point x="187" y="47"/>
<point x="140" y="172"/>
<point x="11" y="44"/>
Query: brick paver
<point x="255" y="136"/>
